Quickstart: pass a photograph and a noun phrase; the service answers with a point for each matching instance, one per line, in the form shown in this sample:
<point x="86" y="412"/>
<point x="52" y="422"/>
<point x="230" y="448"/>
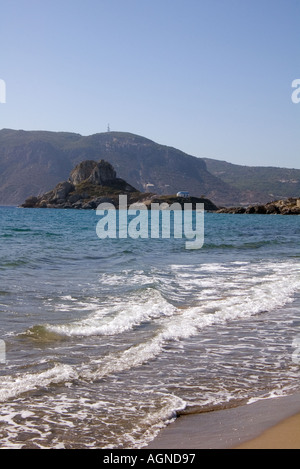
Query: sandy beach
<point x="265" y="424"/>
<point x="284" y="435"/>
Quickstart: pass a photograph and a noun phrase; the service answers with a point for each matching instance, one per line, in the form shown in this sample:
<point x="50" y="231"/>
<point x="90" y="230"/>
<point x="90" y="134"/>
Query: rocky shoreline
<point x="289" y="206"/>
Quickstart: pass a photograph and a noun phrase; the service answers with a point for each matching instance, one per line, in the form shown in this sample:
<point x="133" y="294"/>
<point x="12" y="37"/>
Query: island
<point x="92" y="183"/>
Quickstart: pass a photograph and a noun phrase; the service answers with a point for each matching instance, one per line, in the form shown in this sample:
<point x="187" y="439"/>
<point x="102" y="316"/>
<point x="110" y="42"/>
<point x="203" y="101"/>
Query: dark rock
<point x="103" y="200"/>
<point x="289" y="206"/>
<point x="72" y="199"/>
<point x="77" y="204"/>
<point x="30" y="202"/>
<point x="88" y="206"/>
<point x="62" y="190"/>
<point x="260" y="209"/>
<point x="272" y="209"/>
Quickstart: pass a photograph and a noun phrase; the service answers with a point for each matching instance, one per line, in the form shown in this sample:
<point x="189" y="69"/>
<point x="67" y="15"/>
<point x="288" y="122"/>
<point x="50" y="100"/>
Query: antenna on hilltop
<point x="108" y="128"/>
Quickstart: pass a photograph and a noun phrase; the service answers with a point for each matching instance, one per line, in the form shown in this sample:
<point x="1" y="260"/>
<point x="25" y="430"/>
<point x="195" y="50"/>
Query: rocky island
<point x="94" y="182"/>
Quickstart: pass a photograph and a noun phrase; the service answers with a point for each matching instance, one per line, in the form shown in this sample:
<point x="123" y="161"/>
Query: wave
<point x="268" y="293"/>
<point x="192" y="320"/>
<point x="12" y="386"/>
<point x="41" y="334"/>
<point x="195" y="297"/>
<point x="251" y="289"/>
<point x="113" y="319"/>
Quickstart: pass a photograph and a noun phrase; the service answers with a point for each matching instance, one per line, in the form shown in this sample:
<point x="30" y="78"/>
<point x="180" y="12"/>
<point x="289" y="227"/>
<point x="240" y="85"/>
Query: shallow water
<point x="108" y="340"/>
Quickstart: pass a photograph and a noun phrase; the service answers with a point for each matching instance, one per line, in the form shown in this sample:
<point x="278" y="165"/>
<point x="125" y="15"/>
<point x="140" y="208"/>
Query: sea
<point x="107" y="341"/>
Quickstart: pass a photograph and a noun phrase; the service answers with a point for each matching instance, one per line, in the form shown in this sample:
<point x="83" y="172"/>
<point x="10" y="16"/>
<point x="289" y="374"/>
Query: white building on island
<point x="183" y="194"/>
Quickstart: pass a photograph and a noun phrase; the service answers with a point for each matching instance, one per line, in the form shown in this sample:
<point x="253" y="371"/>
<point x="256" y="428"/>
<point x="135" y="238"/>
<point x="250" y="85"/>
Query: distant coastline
<point x="289" y="206"/>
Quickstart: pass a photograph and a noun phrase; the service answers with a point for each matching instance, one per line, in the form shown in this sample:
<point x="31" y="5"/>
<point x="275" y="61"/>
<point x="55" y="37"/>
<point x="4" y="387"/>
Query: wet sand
<point x="285" y="435"/>
<point x="265" y="424"/>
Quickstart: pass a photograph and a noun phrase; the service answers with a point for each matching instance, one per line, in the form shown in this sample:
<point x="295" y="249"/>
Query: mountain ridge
<point x="271" y="182"/>
<point x="33" y="162"/>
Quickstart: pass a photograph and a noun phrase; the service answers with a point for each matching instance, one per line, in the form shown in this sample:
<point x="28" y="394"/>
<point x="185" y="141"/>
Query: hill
<point x="33" y="162"/>
<point x="270" y="183"/>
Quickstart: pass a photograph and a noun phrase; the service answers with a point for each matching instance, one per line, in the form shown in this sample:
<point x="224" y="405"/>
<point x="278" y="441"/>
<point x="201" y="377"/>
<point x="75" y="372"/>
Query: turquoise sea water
<point x="107" y="341"/>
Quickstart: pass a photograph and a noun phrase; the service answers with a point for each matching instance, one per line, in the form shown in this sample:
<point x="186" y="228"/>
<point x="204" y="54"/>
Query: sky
<point x="212" y="78"/>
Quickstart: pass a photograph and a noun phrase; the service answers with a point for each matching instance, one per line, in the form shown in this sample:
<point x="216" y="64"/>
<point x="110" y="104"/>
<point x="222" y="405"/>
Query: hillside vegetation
<point x="272" y="183"/>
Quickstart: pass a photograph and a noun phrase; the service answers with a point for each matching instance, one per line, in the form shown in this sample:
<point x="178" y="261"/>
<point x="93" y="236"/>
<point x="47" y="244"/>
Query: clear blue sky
<point x="210" y="77"/>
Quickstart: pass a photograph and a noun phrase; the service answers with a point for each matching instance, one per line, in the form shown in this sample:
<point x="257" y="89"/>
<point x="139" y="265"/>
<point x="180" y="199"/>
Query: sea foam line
<point x="150" y="304"/>
<point x="12" y="386"/>
<point x="120" y="317"/>
<point x="275" y="291"/>
<point x="190" y="321"/>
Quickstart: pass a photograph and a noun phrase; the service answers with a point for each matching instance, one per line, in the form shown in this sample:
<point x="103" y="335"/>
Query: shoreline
<point x="272" y="423"/>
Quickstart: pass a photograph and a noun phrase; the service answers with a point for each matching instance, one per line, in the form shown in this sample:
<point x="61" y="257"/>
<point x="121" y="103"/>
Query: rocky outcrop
<point x="98" y="173"/>
<point x="289" y="206"/>
<point x="62" y="190"/>
<point x="92" y="183"/>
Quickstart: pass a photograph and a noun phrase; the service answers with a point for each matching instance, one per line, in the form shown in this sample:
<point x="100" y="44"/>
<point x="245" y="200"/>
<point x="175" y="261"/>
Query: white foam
<point x="239" y="289"/>
<point x="155" y="421"/>
<point x="270" y="292"/>
<point x="12" y="386"/>
<point x="118" y="318"/>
